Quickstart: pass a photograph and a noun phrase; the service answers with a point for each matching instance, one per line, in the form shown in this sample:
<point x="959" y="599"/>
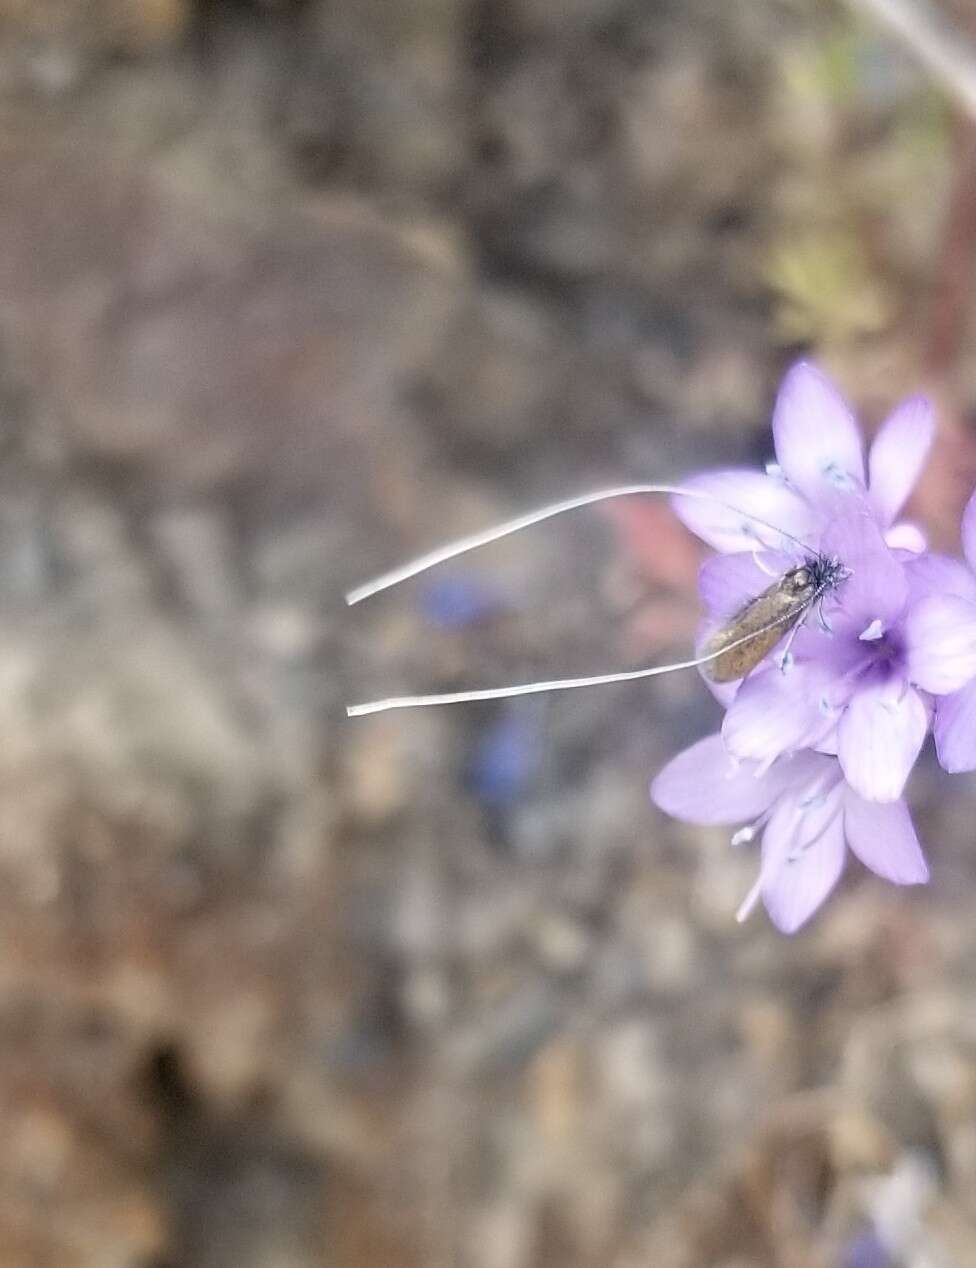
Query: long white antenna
<point x="484" y="538"/>
<point x="556" y="684"/>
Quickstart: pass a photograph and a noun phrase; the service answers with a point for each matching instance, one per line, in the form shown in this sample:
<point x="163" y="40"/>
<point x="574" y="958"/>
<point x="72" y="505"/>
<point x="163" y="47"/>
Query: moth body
<point x="752" y="633"/>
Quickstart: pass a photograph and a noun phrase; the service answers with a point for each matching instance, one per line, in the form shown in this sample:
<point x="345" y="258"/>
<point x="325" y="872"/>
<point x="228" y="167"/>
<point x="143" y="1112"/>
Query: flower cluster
<point x="818" y="742"/>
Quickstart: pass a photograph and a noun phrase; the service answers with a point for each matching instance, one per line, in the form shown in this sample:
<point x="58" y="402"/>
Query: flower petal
<point x="877" y="587"/>
<point x="879" y="737"/>
<point x="777" y="711"/>
<point x="955" y="729"/>
<point x="940" y="640"/>
<point x="799" y="872"/>
<point x="898" y="455"/>
<point x="838" y="653"/>
<point x="703" y="784"/>
<point x="969" y="531"/>
<point x="727" y="582"/>
<point x="883" y="838"/>
<point x="817" y="441"/>
<point x="728" y="523"/>
<point x="933" y="573"/>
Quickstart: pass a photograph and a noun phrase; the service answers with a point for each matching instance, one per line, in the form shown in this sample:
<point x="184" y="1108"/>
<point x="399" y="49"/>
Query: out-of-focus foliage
<point x="827" y="292"/>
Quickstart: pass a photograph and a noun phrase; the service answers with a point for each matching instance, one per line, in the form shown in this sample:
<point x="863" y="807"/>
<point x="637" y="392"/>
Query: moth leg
<point x="821" y="619"/>
<point x="786" y="659"/>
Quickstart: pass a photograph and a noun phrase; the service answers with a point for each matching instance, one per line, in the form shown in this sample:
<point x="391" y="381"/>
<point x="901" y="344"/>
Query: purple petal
<point x="883" y="838"/>
<point x="703" y="784"/>
<point x="817" y="441"/>
<point x="877" y="587"/>
<point x="777" y="712"/>
<point x="969" y="531"/>
<point x="879" y="737"/>
<point x="837" y="653"/>
<point x="828" y="744"/>
<point x="940" y="639"/>
<point x="724" y="692"/>
<point x="932" y="573"/>
<point x="955" y="729"/>
<point x="727" y="582"/>
<point x="727" y="524"/>
<point x="802" y="863"/>
<point x="898" y="455"/>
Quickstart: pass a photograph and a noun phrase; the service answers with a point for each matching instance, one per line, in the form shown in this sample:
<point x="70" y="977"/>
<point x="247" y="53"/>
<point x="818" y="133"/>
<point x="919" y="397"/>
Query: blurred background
<point x="289" y="292"/>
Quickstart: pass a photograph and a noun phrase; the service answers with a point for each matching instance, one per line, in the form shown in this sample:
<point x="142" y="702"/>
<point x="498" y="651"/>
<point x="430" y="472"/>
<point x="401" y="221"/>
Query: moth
<point x="730" y="653"/>
<point x="736" y="648"/>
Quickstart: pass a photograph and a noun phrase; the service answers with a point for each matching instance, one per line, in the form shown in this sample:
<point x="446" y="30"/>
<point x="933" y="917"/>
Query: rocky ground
<point x="289" y="291"/>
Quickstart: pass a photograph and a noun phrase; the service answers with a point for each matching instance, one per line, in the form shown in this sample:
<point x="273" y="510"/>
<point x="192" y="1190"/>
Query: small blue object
<point x="454" y="602"/>
<point x="866" y="1251"/>
<point x="504" y="761"/>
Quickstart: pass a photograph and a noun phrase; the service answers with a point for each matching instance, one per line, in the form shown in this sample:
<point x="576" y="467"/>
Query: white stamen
<point x="749" y="904"/>
<point x="874" y="631"/>
<point x="748" y="834"/>
<point x="798" y="851"/>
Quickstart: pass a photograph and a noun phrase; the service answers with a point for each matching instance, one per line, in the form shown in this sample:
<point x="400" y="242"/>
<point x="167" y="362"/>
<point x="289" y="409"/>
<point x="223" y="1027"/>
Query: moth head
<point x="799" y="580"/>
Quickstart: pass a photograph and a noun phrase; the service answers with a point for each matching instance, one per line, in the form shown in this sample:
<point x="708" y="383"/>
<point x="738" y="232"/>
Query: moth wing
<point x="752" y="633"/>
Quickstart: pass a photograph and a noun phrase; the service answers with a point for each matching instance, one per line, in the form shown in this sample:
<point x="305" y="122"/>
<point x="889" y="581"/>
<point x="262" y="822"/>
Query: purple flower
<point x="808" y="815"/>
<point x="861" y="688"/>
<point x="818" y="741"/>
<point x="862" y="673"/>
<point x="820" y="466"/>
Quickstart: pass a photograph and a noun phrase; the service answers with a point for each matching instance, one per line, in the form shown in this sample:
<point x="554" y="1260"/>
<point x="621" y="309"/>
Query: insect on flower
<point x="818" y="740"/>
<point x="737" y="647"/>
